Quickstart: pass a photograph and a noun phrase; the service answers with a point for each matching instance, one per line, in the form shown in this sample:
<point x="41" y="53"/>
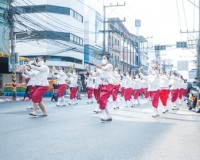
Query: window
<point x="51" y="9"/>
<point x="52" y="35"/>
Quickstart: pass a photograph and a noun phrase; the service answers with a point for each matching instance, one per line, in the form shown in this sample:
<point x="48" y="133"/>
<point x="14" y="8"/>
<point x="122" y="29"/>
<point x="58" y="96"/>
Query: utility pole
<point x="198" y="50"/>
<point x="104" y="23"/>
<point x="13" y="58"/>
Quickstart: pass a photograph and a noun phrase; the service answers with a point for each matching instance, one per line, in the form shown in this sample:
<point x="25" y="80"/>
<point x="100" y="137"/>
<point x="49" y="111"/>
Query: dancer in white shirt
<point x="174" y="87"/>
<point x="128" y="90"/>
<point x="154" y="89"/>
<point x="61" y="77"/>
<point x="181" y="90"/>
<point x="97" y="82"/>
<point x="137" y="90"/>
<point x="122" y="85"/>
<point x="90" y="88"/>
<point x="164" y="90"/>
<point x="41" y="86"/>
<point x="73" y="87"/>
<point x="116" y="86"/>
<point x="31" y="75"/>
<point x="106" y="87"/>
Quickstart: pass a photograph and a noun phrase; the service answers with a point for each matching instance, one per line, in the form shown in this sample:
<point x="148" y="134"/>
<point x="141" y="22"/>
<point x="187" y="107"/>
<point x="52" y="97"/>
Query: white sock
<point x="107" y="113"/>
<point x="132" y="104"/>
<point x="103" y="113"/>
<point x="31" y="103"/>
<point x="59" y="100"/>
<point x="63" y="99"/>
<point x="114" y="103"/>
<point x="126" y="103"/>
<point x="138" y="101"/>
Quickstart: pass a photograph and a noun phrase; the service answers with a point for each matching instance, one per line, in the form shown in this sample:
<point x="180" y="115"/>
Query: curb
<point x="22" y="99"/>
<point x="10" y="99"/>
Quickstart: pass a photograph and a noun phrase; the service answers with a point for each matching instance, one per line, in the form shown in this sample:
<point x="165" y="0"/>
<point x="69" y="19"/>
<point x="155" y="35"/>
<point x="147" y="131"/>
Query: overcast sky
<point x="160" y="19"/>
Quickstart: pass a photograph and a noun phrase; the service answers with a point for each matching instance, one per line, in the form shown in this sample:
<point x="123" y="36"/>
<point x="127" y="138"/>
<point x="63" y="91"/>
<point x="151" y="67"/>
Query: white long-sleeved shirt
<point x="128" y="81"/>
<point x="73" y="80"/>
<point x="164" y="82"/>
<point x="97" y="82"/>
<point x="137" y="83"/>
<point x="174" y="82"/>
<point x="123" y="82"/>
<point x="32" y="75"/>
<point x="89" y="82"/>
<point x="61" y="77"/>
<point x="153" y="82"/>
<point x="105" y="74"/>
<point x="41" y="77"/>
<point x="117" y="78"/>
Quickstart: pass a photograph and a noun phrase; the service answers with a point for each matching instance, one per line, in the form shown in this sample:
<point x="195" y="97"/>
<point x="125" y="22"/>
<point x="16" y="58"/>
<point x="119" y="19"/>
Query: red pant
<point x="97" y="94"/>
<point x="174" y="95"/>
<point x="128" y="93"/>
<point x="38" y="93"/>
<point x="122" y="91"/>
<point x="73" y="91"/>
<point x="105" y="92"/>
<point x="154" y="98"/>
<point x="136" y="93"/>
<point x="164" y="93"/>
<point x="185" y="92"/>
<point x="115" y="92"/>
<point x="31" y="90"/>
<point x="90" y="92"/>
<point x="181" y="93"/>
<point x="61" y="89"/>
<point x="146" y="93"/>
<point x="141" y="91"/>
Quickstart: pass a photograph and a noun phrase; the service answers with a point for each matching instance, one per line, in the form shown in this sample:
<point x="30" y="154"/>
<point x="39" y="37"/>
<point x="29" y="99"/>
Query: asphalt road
<point x="76" y="133"/>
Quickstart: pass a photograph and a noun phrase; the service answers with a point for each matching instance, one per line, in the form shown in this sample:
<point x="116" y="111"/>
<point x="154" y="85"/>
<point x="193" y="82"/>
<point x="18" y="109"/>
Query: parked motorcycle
<point x="193" y="101"/>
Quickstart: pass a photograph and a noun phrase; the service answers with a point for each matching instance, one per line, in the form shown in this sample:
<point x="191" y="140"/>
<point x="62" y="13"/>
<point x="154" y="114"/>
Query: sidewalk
<point x="10" y="98"/>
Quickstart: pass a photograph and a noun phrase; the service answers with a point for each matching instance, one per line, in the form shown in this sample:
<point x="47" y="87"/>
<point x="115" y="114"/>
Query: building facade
<point x="53" y="29"/>
<point x="4" y="40"/>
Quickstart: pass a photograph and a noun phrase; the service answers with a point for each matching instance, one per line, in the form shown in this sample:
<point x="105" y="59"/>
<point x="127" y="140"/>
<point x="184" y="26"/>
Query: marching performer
<point x="181" y="90"/>
<point x="90" y="88"/>
<point x="61" y="77"/>
<point x="41" y="86"/>
<point x="116" y="86"/>
<point x="174" y="87"/>
<point x="97" y="82"/>
<point x="122" y="85"/>
<point x="164" y="90"/>
<point x="128" y="90"/>
<point x="137" y="90"/>
<point x="73" y="87"/>
<point x="153" y="89"/>
<point x="31" y="75"/>
<point x="106" y="87"/>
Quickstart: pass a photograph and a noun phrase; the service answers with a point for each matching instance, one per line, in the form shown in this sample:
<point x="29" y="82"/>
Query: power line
<point x="184" y="14"/>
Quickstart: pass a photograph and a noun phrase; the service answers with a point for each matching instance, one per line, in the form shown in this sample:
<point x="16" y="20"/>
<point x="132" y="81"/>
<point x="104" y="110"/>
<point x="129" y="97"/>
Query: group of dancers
<point x="102" y="82"/>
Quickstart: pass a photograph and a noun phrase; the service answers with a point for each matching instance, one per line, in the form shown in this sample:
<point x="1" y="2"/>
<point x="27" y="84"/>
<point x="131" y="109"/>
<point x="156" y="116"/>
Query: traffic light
<point x="160" y="47"/>
<point x="181" y="44"/>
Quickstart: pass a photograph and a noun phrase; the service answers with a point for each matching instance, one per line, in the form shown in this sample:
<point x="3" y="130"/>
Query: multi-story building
<point x="93" y="37"/>
<point x="4" y="41"/>
<point x="123" y="46"/>
<point x="55" y="31"/>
